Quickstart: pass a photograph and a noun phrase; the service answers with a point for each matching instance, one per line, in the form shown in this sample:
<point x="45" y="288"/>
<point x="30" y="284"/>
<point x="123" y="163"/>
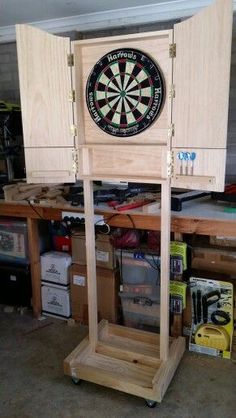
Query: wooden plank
<point x="134" y="334"/>
<point x="83" y="349"/>
<point x="114" y="380"/>
<point x="203" y="45"/>
<point x="91" y="262"/>
<point x="45" y="85"/>
<point x="130" y="350"/>
<point x="49" y="165"/>
<point x="130" y="372"/>
<point x="113" y="160"/>
<point x="156" y="45"/>
<point x="35" y="266"/>
<point x="207" y="172"/>
<point x="182" y="223"/>
<point x="165" y="270"/>
<point x="167" y="369"/>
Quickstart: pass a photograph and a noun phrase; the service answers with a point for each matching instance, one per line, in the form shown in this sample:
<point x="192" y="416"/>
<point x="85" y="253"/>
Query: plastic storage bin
<point x="13" y="241"/>
<point x="140" y="312"/>
<point x="140" y="273"/>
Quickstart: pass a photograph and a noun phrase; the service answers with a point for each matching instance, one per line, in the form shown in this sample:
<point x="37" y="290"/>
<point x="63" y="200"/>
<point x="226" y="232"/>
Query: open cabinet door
<point x="47" y="111"/>
<point x="201" y="76"/>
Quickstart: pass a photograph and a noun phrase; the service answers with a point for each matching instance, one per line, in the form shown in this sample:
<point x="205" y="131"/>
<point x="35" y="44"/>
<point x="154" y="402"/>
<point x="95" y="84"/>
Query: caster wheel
<point x="75" y="380"/>
<point x="150" y="404"/>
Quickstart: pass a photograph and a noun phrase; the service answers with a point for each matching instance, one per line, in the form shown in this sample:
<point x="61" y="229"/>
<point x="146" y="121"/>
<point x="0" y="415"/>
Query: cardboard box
<point x="223" y="241"/>
<point x="105" y="256"/>
<point x="54" y="267"/>
<point x="212" y="317"/>
<point x="107" y="291"/>
<point x="56" y="300"/>
<point x="211" y="259"/>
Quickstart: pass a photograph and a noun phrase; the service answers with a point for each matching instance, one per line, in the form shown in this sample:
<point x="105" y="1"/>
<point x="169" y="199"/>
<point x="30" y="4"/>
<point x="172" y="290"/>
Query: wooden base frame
<point x="126" y="359"/>
<point x="130" y="360"/>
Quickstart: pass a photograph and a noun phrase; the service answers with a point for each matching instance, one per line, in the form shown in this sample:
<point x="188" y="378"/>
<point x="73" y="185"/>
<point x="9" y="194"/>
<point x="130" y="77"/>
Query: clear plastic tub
<point x="139" y="268"/>
<point x="140" y="312"/>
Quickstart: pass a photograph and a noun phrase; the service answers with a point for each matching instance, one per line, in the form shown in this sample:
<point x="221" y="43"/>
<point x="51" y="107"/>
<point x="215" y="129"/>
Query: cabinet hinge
<point x="172" y="92"/>
<point x="75" y="161"/>
<point x="170" y="163"/>
<point x="72" y="96"/>
<point x="70" y="60"/>
<point x="171" y="130"/>
<point x="172" y="50"/>
<point x="73" y="130"/>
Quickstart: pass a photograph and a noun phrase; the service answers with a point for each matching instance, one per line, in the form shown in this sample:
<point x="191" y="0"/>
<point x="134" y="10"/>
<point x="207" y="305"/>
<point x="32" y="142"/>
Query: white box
<point x="56" y="300"/>
<point x="54" y="267"/>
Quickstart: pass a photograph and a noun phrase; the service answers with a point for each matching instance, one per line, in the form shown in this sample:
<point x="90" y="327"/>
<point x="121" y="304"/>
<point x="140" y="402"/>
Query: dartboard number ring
<point x="125" y="92"/>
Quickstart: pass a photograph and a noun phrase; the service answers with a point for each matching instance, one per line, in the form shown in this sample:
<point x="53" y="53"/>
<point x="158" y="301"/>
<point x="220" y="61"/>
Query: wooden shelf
<point x="126" y="359"/>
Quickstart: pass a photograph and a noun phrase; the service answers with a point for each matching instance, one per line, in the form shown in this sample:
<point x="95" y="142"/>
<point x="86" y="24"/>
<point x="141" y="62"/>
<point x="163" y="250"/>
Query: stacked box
<point x="55" y="284"/>
<point x="105" y="256"/>
<point x="107" y="279"/>
<point x="107" y="291"/>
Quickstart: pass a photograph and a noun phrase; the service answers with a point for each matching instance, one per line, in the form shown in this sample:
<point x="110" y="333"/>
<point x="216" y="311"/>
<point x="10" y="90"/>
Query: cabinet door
<point x="45" y="87"/>
<point x="201" y="75"/>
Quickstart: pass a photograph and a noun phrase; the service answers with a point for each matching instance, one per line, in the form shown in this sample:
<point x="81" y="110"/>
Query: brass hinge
<point x="75" y="161"/>
<point x="72" y="96"/>
<point x="70" y="60"/>
<point x="171" y="130"/>
<point x="172" y="92"/>
<point x="170" y="163"/>
<point x="172" y="50"/>
<point x="73" y="130"/>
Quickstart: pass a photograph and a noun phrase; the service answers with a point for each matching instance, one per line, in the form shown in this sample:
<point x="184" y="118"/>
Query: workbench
<point x="201" y="217"/>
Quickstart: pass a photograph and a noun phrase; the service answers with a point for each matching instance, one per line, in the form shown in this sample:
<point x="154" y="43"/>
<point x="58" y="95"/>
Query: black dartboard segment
<point x="125" y="92"/>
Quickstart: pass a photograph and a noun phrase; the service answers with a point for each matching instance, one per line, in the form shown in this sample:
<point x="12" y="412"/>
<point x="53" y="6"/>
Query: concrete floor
<point x="32" y="384"/>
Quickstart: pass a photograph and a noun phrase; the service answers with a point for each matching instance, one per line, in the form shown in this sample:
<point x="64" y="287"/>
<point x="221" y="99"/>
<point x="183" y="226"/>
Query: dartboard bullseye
<point x="125" y="92"/>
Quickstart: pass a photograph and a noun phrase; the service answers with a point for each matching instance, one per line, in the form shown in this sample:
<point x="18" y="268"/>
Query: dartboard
<point x="125" y="92"/>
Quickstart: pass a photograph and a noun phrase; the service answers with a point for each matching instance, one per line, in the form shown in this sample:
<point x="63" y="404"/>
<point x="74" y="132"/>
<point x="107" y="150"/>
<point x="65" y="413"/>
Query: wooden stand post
<point x="126" y="359"/>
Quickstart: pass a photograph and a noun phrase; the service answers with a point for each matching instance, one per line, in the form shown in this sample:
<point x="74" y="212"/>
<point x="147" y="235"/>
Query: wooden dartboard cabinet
<point x="184" y="146"/>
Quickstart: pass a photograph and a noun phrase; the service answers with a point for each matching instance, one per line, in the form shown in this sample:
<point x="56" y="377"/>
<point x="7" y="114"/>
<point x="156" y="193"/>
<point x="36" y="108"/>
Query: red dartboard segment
<point x="125" y="92"/>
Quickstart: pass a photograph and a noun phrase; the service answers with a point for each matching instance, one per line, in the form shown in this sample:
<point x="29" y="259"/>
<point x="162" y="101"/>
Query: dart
<point x="192" y="158"/>
<point x="180" y="156"/>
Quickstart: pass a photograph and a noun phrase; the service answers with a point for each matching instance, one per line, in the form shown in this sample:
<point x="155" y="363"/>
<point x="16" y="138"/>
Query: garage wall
<point x="9" y="82"/>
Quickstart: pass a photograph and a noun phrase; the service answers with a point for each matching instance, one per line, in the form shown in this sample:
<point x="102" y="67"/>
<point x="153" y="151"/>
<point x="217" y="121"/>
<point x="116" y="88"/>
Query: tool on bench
<point x="178" y="199"/>
<point x="207" y="300"/>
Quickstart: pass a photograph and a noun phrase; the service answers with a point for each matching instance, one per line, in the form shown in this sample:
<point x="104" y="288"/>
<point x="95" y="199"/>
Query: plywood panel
<point x="49" y="165"/>
<point x="201" y="77"/>
<point x="125" y="160"/>
<point x="206" y="172"/>
<point x="154" y="44"/>
<point x="45" y="85"/>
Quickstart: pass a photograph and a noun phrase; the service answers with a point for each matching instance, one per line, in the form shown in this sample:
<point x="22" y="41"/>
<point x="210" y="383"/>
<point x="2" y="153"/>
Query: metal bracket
<point x="171" y="131"/>
<point x="170" y="163"/>
<point x="70" y="60"/>
<point x="72" y="96"/>
<point x="172" y="51"/>
<point x="172" y="92"/>
<point x="75" y="159"/>
<point x="73" y="130"/>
